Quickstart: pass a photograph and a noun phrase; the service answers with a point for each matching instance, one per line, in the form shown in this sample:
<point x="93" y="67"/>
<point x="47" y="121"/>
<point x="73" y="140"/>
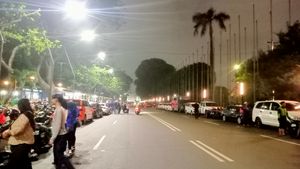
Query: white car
<point x="207" y="106"/>
<point x="266" y="112"/>
<point x="105" y="109"/>
<point x="188" y="108"/>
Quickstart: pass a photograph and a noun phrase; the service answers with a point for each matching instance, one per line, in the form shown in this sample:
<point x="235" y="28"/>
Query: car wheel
<point x="224" y="118"/>
<point x="258" y="123"/>
<point x="207" y="114"/>
<point x="239" y="120"/>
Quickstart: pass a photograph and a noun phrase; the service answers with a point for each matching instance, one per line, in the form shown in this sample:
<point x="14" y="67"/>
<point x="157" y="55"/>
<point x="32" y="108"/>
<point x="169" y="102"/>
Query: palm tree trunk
<point x="212" y="60"/>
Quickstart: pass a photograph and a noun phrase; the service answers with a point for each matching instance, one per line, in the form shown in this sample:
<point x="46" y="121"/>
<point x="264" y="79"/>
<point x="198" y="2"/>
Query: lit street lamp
<point x="102" y="55"/>
<point x="88" y="35"/>
<point x="6" y="82"/>
<point x="188" y="94"/>
<point x="75" y="9"/>
<point x="59" y="84"/>
<point x="32" y="78"/>
<point x="204" y="94"/>
<point x="111" y="71"/>
<point x="242" y="91"/>
<point x="236" y="67"/>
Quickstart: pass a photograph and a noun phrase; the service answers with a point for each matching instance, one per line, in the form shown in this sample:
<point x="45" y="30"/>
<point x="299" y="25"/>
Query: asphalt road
<point x="166" y="140"/>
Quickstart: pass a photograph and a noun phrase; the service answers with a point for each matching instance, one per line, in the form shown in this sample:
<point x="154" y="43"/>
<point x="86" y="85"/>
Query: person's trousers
<point x="59" y="147"/>
<point x="20" y="157"/>
<point x="71" y="137"/>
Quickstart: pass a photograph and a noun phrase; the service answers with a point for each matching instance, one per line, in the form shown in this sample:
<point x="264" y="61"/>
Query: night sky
<point x="164" y="29"/>
<point x="133" y="30"/>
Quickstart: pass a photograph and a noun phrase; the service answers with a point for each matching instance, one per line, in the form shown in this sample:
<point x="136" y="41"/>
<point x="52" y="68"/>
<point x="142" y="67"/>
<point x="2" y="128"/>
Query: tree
<point x="97" y="80"/>
<point x="278" y="69"/>
<point x="150" y="76"/>
<point x="204" y="20"/>
<point x="20" y="36"/>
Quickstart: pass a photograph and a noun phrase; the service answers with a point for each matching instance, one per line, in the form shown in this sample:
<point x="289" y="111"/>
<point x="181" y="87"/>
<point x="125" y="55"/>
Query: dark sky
<point x="164" y="29"/>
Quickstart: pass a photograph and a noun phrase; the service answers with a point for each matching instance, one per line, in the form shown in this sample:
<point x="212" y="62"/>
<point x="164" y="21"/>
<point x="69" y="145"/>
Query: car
<point x="210" y="109"/>
<point x="266" y="112"/>
<point x="106" y="110"/>
<point x="86" y="111"/>
<point x="97" y="109"/>
<point x="188" y="108"/>
<point x="232" y="113"/>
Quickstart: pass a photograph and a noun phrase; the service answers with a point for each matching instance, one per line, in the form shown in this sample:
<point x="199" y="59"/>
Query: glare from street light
<point x="188" y="94"/>
<point x="242" y="89"/>
<point x="88" y="35"/>
<point x="59" y="84"/>
<point x="204" y="94"/>
<point x="102" y="55"/>
<point x="3" y="92"/>
<point x="6" y="82"/>
<point x="32" y="78"/>
<point x="111" y="71"/>
<point x="75" y="9"/>
<point x="236" y="67"/>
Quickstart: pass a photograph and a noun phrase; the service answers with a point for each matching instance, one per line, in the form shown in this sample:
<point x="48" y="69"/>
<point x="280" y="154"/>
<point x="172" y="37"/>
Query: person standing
<point x="71" y="125"/>
<point x="196" y="110"/>
<point x="21" y="137"/>
<point x="59" y="131"/>
<point x="282" y="118"/>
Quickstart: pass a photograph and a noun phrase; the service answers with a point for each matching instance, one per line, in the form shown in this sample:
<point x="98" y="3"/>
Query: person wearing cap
<point x="59" y="131"/>
<point x="282" y="118"/>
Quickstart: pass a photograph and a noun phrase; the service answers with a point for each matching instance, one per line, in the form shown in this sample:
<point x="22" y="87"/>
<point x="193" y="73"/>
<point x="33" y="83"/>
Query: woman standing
<point x="59" y="133"/>
<point x="21" y="137"/>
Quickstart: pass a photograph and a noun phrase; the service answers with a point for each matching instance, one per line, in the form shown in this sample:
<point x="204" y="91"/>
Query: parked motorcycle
<point x="294" y="129"/>
<point x="125" y="109"/>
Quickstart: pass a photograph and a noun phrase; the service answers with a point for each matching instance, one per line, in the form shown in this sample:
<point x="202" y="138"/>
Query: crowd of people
<point x="20" y="134"/>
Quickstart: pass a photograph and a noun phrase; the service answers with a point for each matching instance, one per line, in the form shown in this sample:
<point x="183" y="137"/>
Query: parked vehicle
<point x="106" y="110"/>
<point x="294" y="128"/>
<point x="210" y="109"/>
<point x="125" y="109"/>
<point x="266" y="112"/>
<point x="232" y="113"/>
<point x="86" y="111"/>
<point x="98" y="112"/>
<point x="188" y="108"/>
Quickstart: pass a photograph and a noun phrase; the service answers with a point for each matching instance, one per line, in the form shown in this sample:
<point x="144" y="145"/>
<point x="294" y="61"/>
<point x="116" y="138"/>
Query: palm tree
<point x="204" y="20"/>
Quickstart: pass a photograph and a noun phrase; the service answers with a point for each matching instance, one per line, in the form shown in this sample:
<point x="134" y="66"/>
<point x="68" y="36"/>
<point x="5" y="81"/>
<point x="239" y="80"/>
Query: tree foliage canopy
<point x="278" y="70"/>
<point x="150" y="73"/>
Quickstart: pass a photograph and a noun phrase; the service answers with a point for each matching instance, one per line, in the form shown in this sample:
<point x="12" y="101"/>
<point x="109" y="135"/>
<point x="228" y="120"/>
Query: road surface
<point x="166" y="140"/>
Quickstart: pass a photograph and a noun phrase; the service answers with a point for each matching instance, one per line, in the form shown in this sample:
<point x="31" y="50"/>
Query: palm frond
<point x="221" y="18"/>
<point x="201" y="21"/>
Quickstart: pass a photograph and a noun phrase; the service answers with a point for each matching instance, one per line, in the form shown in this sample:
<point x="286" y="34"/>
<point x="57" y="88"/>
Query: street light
<point x="204" y="94"/>
<point x="111" y="71"/>
<point x="236" y="67"/>
<point x="242" y="91"/>
<point x="102" y="55"/>
<point x="88" y="35"/>
<point x="59" y="84"/>
<point x="6" y="82"/>
<point x="32" y="78"/>
<point x="188" y="94"/>
<point x="75" y="9"/>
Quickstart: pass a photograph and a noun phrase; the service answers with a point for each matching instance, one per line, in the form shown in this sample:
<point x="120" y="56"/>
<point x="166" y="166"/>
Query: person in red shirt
<point x="2" y="117"/>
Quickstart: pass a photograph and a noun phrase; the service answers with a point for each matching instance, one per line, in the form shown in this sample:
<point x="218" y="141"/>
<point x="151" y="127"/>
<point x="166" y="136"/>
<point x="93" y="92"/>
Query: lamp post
<point x="273" y="93"/>
<point x="75" y="9"/>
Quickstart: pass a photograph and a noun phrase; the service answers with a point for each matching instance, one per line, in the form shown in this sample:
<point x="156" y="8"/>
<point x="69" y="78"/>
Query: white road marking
<point x="209" y="122"/>
<point x="283" y="141"/>
<point x="170" y="126"/>
<point x="115" y="122"/>
<point x="206" y="151"/>
<point x="215" y="151"/>
<point x="99" y="143"/>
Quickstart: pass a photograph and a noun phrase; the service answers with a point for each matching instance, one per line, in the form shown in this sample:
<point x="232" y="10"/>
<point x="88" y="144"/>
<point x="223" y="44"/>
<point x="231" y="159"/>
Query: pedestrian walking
<point x="21" y="137"/>
<point x="196" y="110"/>
<point x="71" y="125"/>
<point x="59" y="133"/>
<point x="282" y="118"/>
